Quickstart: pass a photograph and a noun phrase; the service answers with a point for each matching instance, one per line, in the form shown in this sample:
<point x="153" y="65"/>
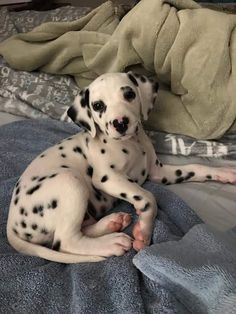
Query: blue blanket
<point x="188" y="268"/>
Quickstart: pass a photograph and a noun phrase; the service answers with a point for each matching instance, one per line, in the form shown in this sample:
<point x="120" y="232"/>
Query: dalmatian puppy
<point x="58" y="206"/>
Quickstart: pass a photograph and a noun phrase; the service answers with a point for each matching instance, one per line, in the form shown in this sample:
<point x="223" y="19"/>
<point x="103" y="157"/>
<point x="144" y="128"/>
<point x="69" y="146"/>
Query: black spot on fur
<point x="179" y="180"/>
<point x="23" y="224"/>
<point x="37" y="209"/>
<point x="60" y="147"/>
<point x="189" y="175"/>
<point x="77" y="149"/>
<point x="104" y="179"/>
<point x="161" y="165"/>
<point x="103" y="151"/>
<point x="33" y="189"/>
<point x="18" y="190"/>
<point x="157" y="162"/>
<point x="84" y="124"/>
<point x="124" y="150"/>
<point x="112" y="166"/>
<point x="16" y="200"/>
<point x="143" y="172"/>
<point x="56" y="245"/>
<point x="22" y="211"/>
<point x="145" y="208"/>
<point x="86" y="96"/>
<point x="89" y="113"/>
<point x="90" y="171"/>
<point x="63" y="155"/>
<point x="85" y="99"/>
<point x="132" y="79"/>
<point x="34" y="226"/>
<point x="124" y="195"/>
<point x="34" y="178"/>
<point x="164" y="180"/>
<point x="178" y="172"/>
<point x="131" y="180"/>
<point x="15" y="231"/>
<point x="137" y="197"/>
<point x="104" y="141"/>
<point x="209" y="177"/>
<point x="87" y="141"/>
<point x="42" y="179"/>
<point x="53" y="175"/>
<point x="72" y="113"/>
<point x="44" y="231"/>
<point x="54" y="204"/>
<point x="41" y="156"/>
<point x="64" y="166"/>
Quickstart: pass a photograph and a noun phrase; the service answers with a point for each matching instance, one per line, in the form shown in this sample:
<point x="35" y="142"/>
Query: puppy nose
<point x="121" y="125"/>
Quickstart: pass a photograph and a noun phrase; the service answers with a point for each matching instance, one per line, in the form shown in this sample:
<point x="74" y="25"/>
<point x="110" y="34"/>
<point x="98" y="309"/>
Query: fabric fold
<point x="189" y="49"/>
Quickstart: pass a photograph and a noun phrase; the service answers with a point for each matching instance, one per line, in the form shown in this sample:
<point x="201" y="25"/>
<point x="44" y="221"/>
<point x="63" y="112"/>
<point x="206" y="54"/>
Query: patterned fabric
<point x="35" y="94"/>
<point x="180" y="145"/>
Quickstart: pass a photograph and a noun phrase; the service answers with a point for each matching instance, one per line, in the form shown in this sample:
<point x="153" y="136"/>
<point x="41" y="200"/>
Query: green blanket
<point x="191" y="51"/>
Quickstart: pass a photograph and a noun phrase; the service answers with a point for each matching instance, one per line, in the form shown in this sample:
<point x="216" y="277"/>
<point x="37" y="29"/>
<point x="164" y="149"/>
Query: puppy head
<point x="113" y="104"/>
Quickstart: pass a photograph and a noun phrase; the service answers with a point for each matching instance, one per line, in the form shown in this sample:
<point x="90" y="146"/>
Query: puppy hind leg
<point x="68" y="236"/>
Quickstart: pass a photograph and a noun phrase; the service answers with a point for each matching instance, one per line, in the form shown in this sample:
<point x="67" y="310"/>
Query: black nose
<point x="121" y="125"/>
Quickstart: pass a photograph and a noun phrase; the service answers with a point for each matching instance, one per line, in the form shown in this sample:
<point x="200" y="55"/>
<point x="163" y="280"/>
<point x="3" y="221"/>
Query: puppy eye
<point x="128" y="93"/>
<point x="98" y="105"/>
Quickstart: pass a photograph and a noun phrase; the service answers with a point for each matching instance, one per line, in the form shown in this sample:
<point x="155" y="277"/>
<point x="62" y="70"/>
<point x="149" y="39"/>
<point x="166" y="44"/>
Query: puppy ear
<point x="147" y="90"/>
<point x="81" y="114"/>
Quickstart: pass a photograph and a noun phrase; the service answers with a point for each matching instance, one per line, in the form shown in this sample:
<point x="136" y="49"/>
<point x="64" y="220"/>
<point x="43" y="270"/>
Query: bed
<point x="194" y="236"/>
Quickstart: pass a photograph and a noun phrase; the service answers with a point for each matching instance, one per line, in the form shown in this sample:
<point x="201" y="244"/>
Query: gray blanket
<point x="188" y="268"/>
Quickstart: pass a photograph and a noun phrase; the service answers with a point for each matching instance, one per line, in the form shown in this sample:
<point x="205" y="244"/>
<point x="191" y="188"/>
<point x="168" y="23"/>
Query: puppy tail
<point x="29" y="248"/>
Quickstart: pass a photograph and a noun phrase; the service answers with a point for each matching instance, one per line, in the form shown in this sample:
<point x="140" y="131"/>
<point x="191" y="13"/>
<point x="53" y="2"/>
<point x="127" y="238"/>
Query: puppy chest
<point x="128" y="158"/>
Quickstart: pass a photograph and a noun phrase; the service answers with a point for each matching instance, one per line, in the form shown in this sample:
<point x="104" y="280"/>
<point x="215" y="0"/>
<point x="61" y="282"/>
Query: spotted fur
<point x="60" y="196"/>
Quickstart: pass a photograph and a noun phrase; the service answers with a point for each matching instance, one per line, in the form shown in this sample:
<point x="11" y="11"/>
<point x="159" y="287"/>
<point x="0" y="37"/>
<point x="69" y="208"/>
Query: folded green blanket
<point x="191" y="50"/>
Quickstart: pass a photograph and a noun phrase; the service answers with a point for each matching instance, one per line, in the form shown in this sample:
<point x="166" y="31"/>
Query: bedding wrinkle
<point x="155" y="43"/>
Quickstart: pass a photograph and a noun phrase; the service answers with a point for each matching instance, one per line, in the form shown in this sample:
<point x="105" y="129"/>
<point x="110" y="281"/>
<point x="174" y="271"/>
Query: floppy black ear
<point x="80" y="112"/>
<point x="147" y="90"/>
